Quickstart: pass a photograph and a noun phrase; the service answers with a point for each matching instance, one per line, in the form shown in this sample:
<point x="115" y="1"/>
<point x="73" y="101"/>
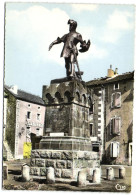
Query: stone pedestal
<point x="66" y="144"/>
<point x="66" y="163"/>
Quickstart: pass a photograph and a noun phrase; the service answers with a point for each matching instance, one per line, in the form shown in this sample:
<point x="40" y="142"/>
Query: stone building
<point x="24" y="116"/>
<point x="113" y="116"/>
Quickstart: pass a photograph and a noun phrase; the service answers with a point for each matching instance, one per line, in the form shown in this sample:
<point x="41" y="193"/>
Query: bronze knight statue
<point x="70" y="51"/>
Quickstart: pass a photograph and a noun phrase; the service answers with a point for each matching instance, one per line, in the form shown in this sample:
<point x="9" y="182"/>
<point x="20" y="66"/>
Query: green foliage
<point x="11" y="121"/>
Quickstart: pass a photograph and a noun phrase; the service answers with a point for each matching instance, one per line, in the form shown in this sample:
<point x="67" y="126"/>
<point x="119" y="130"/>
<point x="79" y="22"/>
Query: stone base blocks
<point x="66" y="163"/>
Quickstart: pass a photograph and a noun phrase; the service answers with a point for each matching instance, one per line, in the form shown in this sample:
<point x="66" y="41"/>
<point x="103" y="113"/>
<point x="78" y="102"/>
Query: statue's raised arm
<point x="70" y="51"/>
<point x="54" y="42"/>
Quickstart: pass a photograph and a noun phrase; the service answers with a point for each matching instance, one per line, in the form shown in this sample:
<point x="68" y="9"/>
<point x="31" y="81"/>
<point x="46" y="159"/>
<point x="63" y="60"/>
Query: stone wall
<point x="66" y="163"/>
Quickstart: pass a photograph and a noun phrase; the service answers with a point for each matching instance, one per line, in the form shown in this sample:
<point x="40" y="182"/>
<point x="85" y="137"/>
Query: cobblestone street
<point x="121" y="185"/>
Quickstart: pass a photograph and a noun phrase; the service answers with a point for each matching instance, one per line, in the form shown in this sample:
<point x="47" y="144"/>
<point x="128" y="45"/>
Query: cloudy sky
<point x="31" y="27"/>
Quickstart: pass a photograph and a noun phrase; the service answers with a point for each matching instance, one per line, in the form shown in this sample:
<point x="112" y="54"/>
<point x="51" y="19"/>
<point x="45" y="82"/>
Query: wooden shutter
<point x="117" y="125"/>
<point x="112" y="126"/>
<point x="114" y="149"/>
<point x="111" y="149"/>
<point x="113" y="100"/>
<point x="115" y="152"/>
<point x="117" y="99"/>
<point x="118" y="148"/>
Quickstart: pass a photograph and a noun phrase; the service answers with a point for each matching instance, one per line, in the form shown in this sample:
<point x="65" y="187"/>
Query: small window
<point x="95" y="147"/>
<point x="29" y="105"/>
<point x="91" y="109"/>
<point x="28" y="115"/>
<point x="38" y="116"/>
<point x="37" y="132"/>
<point x="91" y="129"/>
<point x="39" y="108"/>
<point x="114" y="149"/>
<point x="28" y="130"/>
<point x="116" y="86"/>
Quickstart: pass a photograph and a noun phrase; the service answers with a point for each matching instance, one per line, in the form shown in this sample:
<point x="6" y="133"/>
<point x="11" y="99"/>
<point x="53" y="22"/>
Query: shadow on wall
<point x="129" y="132"/>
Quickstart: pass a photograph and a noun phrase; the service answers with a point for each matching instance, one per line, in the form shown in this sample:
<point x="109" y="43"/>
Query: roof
<point x="107" y="80"/>
<point x="22" y="95"/>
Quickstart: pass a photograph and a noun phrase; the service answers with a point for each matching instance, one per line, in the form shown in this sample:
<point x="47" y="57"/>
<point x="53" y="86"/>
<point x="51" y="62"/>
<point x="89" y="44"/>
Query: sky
<point x="31" y="27"/>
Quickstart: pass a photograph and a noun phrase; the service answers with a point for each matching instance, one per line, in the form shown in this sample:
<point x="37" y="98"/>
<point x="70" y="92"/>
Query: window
<point x="91" y="129"/>
<point x="39" y="108"/>
<point x="37" y="132"/>
<point x="116" y="86"/>
<point x="28" y="134"/>
<point x="115" y="125"/>
<point x="29" y="105"/>
<point x="114" y="149"/>
<point x="95" y="147"/>
<point x="38" y="116"/>
<point x="116" y="100"/>
<point x="28" y="130"/>
<point x="91" y="109"/>
<point x="28" y="115"/>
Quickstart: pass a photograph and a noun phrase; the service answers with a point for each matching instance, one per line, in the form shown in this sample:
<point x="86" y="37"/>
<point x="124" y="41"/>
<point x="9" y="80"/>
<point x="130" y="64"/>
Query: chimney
<point x="110" y="72"/>
<point x="116" y="71"/>
<point x="14" y="89"/>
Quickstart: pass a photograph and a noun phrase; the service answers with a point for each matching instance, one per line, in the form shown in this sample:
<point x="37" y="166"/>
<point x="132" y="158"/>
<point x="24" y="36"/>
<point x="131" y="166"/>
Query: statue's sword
<point x="76" y="60"/>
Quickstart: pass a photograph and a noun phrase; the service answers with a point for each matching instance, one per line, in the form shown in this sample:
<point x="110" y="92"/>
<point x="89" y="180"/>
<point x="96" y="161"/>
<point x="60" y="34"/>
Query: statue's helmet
<point x="73" y="23"/>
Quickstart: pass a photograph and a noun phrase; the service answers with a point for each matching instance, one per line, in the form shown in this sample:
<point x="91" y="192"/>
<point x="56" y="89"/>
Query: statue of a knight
<point x="70" y="51"/>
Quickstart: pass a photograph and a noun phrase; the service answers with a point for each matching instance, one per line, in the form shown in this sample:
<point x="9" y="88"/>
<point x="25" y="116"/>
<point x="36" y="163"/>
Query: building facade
<point x="110" y="119"/>
<point x="113" y="116"/>
<point x="24" y="115"/>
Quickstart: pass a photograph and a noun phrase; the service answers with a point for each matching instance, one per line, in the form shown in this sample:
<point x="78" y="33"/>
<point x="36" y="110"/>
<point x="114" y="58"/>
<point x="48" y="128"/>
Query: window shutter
<point x="117" y="126"/>
<point x="115" y="151"/>
<point x="112" y="126"/>
<point x="111" y="149"/>
<point x="113" y="122"/>
<point x="118" y="99"/>
<point x="112" y="100"/>
<point x="118" y="149"/>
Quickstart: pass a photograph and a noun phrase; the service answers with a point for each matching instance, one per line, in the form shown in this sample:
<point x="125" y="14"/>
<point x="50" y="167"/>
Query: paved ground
<point x="121" y="185"/>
